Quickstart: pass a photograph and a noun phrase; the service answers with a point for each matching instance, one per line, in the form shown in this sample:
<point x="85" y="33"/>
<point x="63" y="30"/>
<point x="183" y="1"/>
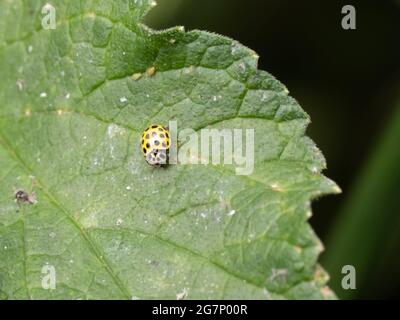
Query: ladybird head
<point x="157" y="157"/>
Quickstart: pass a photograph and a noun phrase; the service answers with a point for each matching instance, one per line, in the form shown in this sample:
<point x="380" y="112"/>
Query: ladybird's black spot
<point x="155" y="126"/>
<point x="162" y="135"/>
<point x="157" y="143"/>
<point x="142" y="141"/>
<point x="147" y="145"/>
<point x="154" y="134"/>
<point x="161" y="129"/>
<point x="164" y="145"/>
<point x="144" y="150"/>
<point x="167" y="135"/>
<point x="147" y="136"/>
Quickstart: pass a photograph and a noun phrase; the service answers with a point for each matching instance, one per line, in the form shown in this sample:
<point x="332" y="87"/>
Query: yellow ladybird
<point x="155" y="145"/>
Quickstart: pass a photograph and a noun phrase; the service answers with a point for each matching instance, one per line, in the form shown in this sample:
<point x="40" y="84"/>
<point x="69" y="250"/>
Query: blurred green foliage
<point x="348" y="81"/>
<point x="369" y="222"/>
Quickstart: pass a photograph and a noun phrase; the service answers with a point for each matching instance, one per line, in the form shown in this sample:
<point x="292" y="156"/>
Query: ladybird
<point x="155" y="145"/>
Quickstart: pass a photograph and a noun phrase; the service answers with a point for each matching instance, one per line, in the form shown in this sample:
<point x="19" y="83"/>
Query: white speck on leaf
<point x="264" y="97"/>
<point x="43" y="95"/>
<point x="251" y="237"/>
<point x="189" y="70"/>
<point x="279" y="273"/>
<point x="234" y="49"/>
<point x="20" y="85"/>
<point x="276" y="187"/>
<point x="113" y="130"/>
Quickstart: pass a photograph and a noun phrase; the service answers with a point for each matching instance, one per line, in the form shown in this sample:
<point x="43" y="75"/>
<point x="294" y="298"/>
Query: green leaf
<point x="73" y="104"/>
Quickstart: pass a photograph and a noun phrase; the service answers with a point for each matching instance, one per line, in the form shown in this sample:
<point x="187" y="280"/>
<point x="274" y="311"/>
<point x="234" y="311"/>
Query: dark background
<point x="348" y="81"/>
